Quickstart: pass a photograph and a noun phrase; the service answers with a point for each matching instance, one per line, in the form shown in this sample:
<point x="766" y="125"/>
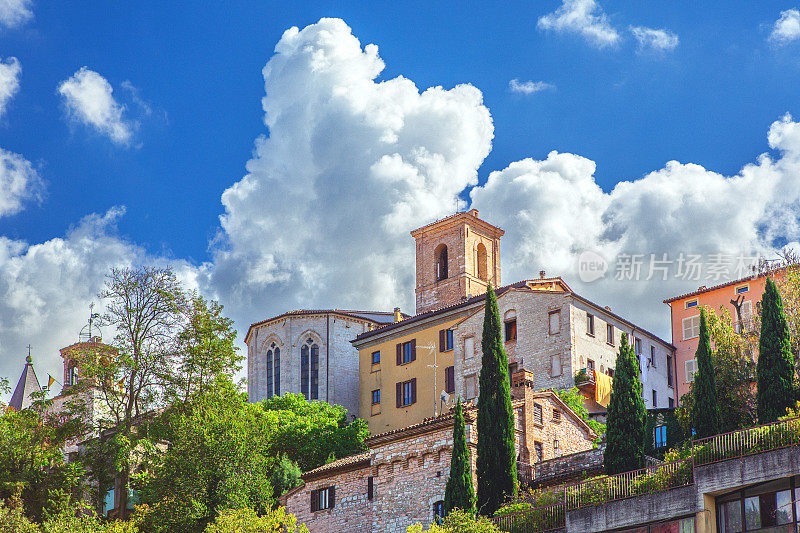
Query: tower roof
<point x="28" y="384"/>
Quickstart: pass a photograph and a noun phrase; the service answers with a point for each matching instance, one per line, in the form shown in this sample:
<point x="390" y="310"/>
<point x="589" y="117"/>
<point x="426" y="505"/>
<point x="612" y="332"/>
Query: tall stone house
<point x="401" y="479"/>
<point x="309" y="352"/>
<point x="414" y="368"/>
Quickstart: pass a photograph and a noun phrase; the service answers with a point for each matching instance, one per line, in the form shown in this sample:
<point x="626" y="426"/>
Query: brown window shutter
<point x="313" y="500"/>
<point x="450" y="380"/>
<point x="399" y="394"/>
<point x="370" y="487"/>
<point x="413" y="349"/>
<point x="333" y="497"/>
<point x="399" y="353"/>
<point x="414" y="390"/>
<point x="442" y="339"/>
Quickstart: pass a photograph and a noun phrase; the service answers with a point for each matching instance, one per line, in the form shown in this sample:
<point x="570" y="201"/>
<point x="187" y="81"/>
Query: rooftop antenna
<point x="86" y="332"/>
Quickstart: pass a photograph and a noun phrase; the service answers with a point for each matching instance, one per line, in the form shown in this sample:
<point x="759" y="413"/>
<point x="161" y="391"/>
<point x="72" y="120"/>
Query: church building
<point x="308" y="352"/>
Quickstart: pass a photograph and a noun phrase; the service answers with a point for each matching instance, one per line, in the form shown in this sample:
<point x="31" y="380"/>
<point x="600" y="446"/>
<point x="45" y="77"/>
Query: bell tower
<point x="457" y="257"/>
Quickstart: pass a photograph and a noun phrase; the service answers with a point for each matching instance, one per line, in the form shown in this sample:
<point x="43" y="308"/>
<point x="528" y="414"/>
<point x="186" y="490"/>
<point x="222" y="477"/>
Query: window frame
<point x="690" y="304"/>
<point x="510" y="330"/>
<point x="692" y="328"/>
<point x="376" y="361"/>
<point x="374" y="396"/>
<point x="653" y="356"/>
<point x="538" y="414"/>
<point x="323" y="498"/>
<point x="745" y="286"/>
<point x="655" y="399"/>
<point x="590" y="324"/>
<point x="550" y="314"/>
<point x="686" y="369"/>
<point x="610" y="334"/>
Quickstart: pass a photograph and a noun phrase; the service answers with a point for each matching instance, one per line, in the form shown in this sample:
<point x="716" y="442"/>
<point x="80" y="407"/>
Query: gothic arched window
<point x="440" y="255"/>
<point x="277" y="369"/>
<point x="309" y="369"/>
<point x="482" y="262"/>
<point x="269" y="373"/>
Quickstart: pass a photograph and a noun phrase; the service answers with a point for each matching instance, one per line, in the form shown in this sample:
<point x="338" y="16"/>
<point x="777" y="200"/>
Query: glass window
<point x="590" y="368"/>
<point x="309" y="370"/>
<point x="269" y="373"/>
<point x="108" y="500"/>
<point x="448" y="337"/>
<point x="407" y="351"/>
<point x="589" y="324"/>
<point x="438" y="511"/>
<point x="537" y="448"/>
<point x="660" y="436"/>
<point x="277" y="370"/>
<point x="784" y="507"/>
<point x="376" y="358"/>
<point x="376" y="396"/>
<point x="610" y="334"/>
<point x="730" y="517"/>
<point x="691" y="303"/>
<point x="655" y="399"/>
<point x="752" y="512"/>
<point x="556" y="448"/>
<point x="314" y="371"/>
<point x="742" y="289"/>
<point x="304" y="370"/>
<point x="653" y="356"/>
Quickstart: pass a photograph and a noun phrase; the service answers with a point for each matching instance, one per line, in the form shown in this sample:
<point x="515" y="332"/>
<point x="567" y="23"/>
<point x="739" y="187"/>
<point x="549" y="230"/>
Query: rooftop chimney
<point x="541" y="274"/>
<point x="397" y="316"/>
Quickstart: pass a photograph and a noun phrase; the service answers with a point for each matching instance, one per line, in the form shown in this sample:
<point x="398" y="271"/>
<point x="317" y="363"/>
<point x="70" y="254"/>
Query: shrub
<point x="247" y="521"/>
<point x="458" y="521"/>
<point x="13" y="521"/>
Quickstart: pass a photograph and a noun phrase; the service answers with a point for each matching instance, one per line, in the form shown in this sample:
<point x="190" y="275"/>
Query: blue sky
<point x="188" y="80"/>
<point x="198" y="66"/>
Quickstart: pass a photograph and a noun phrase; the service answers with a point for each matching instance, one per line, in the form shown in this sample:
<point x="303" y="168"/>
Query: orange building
<point x="685" y="317"/>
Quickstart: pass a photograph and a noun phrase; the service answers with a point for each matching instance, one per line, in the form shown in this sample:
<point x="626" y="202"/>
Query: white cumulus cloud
<point x="583" y="17"/>
<point x="19" y="181"/>
<point x="787" y="28"/>
<point x="349" y="167"/>
<point x="654" y="39"/>
<point x="10" y="70"/>
<point x="89" y="100"/>
<point x="15" y="13"/>
<point x="553" y="210"/>
<point x="528" y="87"/>
<point x="46" y="289"/>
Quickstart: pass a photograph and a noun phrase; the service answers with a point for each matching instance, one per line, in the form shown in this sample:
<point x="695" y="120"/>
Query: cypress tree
<point x="705" y="413"/>
<point x="625" y="422"/>
<point x="496" y="462"/>
<point x="775" y="368"/>
<point x="459" y="493"/>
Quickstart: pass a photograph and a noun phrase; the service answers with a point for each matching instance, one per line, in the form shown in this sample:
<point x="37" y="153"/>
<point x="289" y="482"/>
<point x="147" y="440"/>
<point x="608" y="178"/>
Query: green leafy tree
<point x="775" y="370"/>
<point x="625" y="422"/>
<point x="219" y="458"/>
<point x="311" y="432"/>
<point x="496" y="461"/>
<point x="459" y="493"/>
<point x="285" y="475"/>
<point x="204" y="350"/>
<point x="33" y="473"/>
<point x="247" y="521"/>
<point x="705" y="413"/>
<point x="146" y="307"/>
<point x="733" y="366"/>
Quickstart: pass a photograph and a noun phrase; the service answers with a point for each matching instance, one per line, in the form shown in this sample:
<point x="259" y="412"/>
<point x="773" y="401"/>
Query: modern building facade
<point x="414" y="368"/>
<point x="309" y="352"/>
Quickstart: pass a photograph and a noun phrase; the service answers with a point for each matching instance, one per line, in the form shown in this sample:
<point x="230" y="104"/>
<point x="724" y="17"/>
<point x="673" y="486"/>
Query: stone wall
<point x="338" y="359"/>
<point x="568" y="468"/>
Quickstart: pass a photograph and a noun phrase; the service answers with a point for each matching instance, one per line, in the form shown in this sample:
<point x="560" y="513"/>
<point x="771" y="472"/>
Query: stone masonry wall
<point x="339" y="387"/>
<point x="531" y="350"/>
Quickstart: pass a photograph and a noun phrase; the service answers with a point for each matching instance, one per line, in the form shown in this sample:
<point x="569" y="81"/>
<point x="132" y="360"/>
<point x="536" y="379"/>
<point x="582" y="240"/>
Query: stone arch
<point x="511" y="314"/>
<point x="440" y="262"/>
<point x="272" y="338"/>
<point x="482" y="262"/>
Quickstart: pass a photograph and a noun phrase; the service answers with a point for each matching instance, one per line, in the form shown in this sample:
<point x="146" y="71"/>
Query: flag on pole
<point x="50" y="381"/>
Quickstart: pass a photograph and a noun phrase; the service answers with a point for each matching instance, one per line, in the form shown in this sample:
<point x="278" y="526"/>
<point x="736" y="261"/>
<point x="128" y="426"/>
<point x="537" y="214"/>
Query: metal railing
<point x="746" y="441"/>
<point x="666" y="476"/>
<point x="629" y="484"/>
<point x="536" y="520"/>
